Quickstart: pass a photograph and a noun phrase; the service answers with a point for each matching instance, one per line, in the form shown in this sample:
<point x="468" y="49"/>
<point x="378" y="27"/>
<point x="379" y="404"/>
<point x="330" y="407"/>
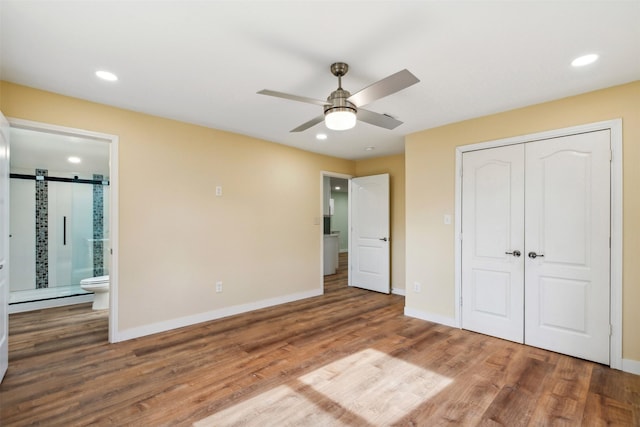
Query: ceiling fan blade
<point x="308" y="124"/>
<point x="377" y="119"/>
<point x="293" y="97"/>
<point x="392" y="84"/>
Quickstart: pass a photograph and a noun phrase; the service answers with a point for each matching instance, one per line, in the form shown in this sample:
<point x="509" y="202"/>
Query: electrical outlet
<point x="219" y="190"/>
<point x="417" y="287"/>
<point x="218" y="286"/>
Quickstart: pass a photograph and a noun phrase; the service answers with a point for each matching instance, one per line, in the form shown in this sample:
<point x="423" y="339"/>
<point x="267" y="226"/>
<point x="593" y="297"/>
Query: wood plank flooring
<point x="348" y="358"/>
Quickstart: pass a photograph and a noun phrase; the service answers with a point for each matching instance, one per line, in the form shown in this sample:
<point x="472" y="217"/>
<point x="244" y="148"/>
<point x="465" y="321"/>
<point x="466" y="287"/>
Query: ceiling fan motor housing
<point x="338" y="102"/>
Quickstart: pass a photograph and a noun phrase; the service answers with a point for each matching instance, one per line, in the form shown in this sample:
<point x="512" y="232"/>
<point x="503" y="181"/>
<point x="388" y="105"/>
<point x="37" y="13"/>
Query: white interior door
<point x="4" y="245"/>
<point x="369" y="240"/>
<point x="493" y="242"/>
<point x="568" y="223"/>
<point x="564" y="222"/>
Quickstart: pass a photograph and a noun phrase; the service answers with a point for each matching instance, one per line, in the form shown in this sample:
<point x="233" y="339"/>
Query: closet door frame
<point x="615" y="127"/>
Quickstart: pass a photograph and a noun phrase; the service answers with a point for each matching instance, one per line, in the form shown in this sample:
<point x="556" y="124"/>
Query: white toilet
<point x="100" y="288"/>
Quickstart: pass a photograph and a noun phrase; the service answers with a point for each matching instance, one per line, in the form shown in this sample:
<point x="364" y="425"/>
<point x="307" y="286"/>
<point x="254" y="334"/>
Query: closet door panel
<point x="567" y="238"/>
<point x="492" y="228"/>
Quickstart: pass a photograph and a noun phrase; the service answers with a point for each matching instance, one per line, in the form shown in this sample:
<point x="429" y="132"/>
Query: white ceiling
<point x="202" y="62"/>
<point x="31" y="149"/>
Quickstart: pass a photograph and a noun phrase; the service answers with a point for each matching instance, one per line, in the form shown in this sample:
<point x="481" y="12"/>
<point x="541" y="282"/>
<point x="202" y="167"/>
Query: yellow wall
<point x="430" y="188"/>
<point x="176" y="238"/>
<point x="394" y="166"/>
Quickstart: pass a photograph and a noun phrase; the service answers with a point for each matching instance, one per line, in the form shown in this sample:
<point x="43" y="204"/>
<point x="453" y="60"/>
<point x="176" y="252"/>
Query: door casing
<point x="615" y="127"/>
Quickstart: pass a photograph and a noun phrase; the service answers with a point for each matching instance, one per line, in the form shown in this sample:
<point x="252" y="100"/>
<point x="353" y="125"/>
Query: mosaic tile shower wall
<point x="98" y="227"/>
<point x="42" y="230"/>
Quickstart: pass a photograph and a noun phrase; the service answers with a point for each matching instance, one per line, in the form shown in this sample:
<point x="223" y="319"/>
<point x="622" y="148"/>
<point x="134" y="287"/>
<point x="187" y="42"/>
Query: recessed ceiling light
<point x="581" y="61"/>
<point x="369" y="148"/>
<point x="321" y="136"/>
<point x="74" y="159"/>
<point x="106" y="75"/>
<point x="337" y="187"/>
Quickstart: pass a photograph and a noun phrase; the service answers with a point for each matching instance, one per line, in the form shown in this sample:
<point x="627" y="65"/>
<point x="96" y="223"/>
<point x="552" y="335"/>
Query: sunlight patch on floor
<point x="375" y="386"/>
<point x="369" y="386"/>
<point x="281" y="406"/>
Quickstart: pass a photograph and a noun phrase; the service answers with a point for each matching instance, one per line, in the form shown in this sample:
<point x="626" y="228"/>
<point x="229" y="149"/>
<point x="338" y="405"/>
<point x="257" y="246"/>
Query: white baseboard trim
<point x="181" y="322"/>
<point x="398" y="291"/>
<point x="49" y="303"/>
<point x="430" y="317"/>
<point x="631" y="366"/>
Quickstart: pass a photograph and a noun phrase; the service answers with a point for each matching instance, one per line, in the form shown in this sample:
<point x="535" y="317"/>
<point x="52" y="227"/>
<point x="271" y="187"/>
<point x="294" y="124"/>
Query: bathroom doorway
<point x="61" y="214"/>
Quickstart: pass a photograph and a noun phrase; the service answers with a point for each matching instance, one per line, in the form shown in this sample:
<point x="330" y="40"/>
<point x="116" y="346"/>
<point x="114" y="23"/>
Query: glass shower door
<point x="59" y="236"/>
<point x="70" y="234"/>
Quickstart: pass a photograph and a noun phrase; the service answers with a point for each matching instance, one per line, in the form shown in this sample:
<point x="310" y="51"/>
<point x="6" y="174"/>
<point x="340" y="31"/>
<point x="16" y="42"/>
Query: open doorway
<point x="64" y="217"/>
<point x="366" y="252"/>
<point x="335" y="230"/>
<point x="59" y="227"/>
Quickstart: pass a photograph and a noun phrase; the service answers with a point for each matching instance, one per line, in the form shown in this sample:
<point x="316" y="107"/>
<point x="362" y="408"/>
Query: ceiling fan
<point x="341" y="109"/>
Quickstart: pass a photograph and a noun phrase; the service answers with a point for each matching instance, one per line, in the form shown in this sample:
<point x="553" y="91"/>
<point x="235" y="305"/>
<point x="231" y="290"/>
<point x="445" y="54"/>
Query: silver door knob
<point x="515" y="253"/>
<point x="534" y="255"/>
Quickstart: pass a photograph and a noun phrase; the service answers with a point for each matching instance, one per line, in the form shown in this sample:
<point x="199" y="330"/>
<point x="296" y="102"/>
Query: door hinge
<point x="610" y="330"/>
<point x="610" y="155"/>
<point x="609" y="242"/>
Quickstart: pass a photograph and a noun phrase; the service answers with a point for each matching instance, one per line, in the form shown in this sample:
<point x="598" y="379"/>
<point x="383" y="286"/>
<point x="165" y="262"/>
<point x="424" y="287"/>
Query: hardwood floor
<point x="348" y="358"/>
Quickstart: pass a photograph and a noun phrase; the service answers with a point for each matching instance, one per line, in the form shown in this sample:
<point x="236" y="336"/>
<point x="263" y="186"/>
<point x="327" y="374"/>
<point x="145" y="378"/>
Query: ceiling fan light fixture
<point x="340" y="118"/>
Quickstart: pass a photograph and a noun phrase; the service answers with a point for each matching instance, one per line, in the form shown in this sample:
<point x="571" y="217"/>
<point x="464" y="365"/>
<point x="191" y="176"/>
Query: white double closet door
<point x="535" y="243"/>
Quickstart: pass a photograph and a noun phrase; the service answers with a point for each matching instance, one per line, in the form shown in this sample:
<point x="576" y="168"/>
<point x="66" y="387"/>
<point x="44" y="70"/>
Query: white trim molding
<point x="615" y="280"/>
<point x="181" y="322"/>
<point x="631" y="366"/>
<point x="399" y="291"/>
<point x="430" y="317"/>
